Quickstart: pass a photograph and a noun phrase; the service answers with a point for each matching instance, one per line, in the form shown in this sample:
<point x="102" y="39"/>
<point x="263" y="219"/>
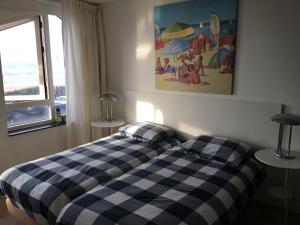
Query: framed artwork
<point x="195" y="43"/>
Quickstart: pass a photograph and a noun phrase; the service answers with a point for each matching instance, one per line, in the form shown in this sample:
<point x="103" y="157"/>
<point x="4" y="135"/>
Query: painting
<point x="195" y="43"/>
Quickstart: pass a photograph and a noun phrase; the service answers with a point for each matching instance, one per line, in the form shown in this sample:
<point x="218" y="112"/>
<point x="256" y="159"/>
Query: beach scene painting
<point x="195" y="46"/>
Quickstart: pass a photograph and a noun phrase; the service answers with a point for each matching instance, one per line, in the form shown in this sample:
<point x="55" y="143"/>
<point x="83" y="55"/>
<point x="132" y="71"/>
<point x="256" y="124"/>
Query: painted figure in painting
<point x="199" y="65"/>
<point x="194" y="75"/>
<point x="195" y="46"/>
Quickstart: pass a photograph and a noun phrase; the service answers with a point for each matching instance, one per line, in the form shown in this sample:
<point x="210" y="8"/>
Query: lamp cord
<point x="290" y="138"/>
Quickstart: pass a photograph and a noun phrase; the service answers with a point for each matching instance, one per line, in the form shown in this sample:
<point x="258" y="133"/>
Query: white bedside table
<point x="267" y="157"/>
<point x="108" y="124"/>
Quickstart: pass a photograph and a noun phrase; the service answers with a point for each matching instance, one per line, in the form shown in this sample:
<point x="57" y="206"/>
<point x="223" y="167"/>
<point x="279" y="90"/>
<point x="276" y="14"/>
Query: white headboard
<point x="193" y="114"/>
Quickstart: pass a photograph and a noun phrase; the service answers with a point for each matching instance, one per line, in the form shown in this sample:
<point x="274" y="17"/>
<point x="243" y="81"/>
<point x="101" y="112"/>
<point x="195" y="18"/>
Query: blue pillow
<point x="218" y="149"/>
<point x="147" y="131"/>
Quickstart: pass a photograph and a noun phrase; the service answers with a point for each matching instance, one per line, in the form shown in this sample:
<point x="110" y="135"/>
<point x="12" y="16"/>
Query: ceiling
<point x="95" y="1"/>
<point x="100" y="1"/>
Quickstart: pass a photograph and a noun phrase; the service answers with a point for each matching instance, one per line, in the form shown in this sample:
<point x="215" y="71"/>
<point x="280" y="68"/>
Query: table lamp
<point x="285" y="119"/>
<point x="108" y="99"/>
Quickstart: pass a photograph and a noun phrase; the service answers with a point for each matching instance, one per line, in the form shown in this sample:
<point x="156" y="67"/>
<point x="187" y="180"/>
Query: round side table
<point x="108" y="124"/>
<point x="267" y="157"/>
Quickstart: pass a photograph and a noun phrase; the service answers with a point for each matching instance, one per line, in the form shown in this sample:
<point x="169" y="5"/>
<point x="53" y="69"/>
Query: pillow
<point x="218" y="149"/>
<point x="147" y="131"/>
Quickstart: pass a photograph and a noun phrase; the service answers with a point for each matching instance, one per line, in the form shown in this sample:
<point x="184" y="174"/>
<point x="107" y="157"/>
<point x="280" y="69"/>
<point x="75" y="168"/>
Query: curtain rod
<point x="59" y="2"/>
<point x="92" y="3"/>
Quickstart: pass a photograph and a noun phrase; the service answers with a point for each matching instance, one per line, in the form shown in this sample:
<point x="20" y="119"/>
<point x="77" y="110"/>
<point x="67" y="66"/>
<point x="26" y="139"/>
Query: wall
<point x="268" y="52"/>
<point x="267" y="62"/>
<point x="22" y="148"/>
<point x="18" y="9"/>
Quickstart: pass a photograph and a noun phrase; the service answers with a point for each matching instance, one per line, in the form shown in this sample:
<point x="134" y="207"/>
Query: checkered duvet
<point x="41" y="188"/>
<point x="173" y="188"/>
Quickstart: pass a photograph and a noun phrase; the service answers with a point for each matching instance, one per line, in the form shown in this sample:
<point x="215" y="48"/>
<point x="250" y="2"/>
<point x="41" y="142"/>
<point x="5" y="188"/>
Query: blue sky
<point x="194" y="11"/>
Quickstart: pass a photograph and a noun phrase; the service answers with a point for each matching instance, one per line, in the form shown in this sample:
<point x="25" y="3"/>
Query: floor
<point x="6" y="219"/>
<point x="260" y="215"/>
<point x="263" y="214"/>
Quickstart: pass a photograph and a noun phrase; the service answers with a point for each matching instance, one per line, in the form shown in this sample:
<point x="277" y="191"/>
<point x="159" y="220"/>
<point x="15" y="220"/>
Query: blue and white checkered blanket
<point x="41" y="188"/>
<point x="173" y="188"/>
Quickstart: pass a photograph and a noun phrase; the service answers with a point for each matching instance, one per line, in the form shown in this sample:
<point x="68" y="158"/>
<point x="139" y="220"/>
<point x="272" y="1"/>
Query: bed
<point x="180" y="186"/>
<point x="41" y="188"/>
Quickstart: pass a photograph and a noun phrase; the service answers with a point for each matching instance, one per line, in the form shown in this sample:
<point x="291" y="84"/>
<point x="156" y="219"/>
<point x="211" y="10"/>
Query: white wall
<point x="13" y="10"/>
<point x="25" y="147"/>
<point x="267" y="62"/>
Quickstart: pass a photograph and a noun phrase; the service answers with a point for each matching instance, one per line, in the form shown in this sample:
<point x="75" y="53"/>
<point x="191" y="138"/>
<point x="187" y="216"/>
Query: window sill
<point x="35" y="128"/>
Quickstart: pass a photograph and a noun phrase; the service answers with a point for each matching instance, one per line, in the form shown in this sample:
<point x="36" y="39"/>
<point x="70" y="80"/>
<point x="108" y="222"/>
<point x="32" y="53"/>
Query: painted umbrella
<point x="177" y="30"/>
<point x="215" y="29"/>
<point x="175" y="47"/>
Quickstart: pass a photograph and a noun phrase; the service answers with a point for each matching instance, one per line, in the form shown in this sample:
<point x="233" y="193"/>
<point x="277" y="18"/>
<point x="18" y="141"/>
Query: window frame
<point x="46" y="85"/>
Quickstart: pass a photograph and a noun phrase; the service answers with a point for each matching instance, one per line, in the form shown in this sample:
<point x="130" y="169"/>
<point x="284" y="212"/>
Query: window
<point x="33" y="74"/>
<point x="57" y="59"/>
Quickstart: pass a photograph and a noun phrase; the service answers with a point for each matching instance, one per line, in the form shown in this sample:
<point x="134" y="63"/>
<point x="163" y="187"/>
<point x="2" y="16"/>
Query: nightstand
<point x="267" y="157"/>
<point x="108" y="124"/>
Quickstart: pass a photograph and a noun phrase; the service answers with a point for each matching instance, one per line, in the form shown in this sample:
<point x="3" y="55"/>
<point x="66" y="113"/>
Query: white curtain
<point x="84" y="53"/>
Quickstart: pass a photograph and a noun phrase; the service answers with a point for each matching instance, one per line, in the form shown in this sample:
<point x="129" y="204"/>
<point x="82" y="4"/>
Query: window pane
<point x="27" y="115"/>
<point x="20" y="67"/>
<point x="57" y="58"/>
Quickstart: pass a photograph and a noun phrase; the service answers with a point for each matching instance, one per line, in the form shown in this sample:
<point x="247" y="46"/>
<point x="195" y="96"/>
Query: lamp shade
<point x="286" y="119"/>
<point x="108" y="98"/>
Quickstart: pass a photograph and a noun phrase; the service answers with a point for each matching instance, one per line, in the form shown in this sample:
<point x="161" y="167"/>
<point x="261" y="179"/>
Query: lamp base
<point x="277" y="154"/>
<point x="285" y="155"/>
<point x="109" y="120"/>
<point x="289" y="155"/>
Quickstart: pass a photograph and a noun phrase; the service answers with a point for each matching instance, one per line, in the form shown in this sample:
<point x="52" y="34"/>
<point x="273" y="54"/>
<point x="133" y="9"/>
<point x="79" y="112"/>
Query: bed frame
<point x="19" y="214"/>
